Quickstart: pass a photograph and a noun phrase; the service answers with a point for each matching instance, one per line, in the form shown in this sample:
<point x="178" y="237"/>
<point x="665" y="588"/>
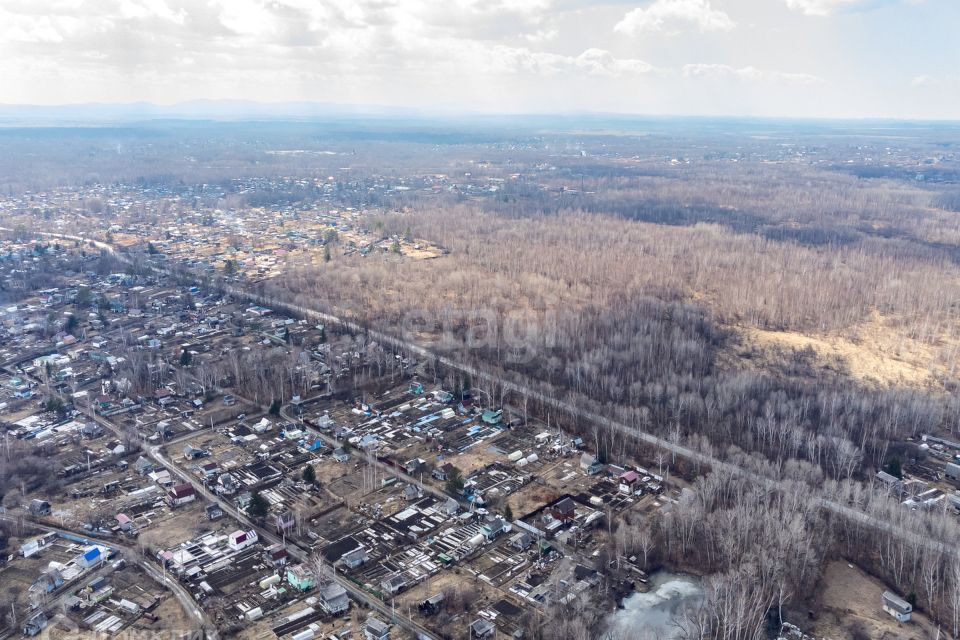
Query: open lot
<point x="851" y="605"/>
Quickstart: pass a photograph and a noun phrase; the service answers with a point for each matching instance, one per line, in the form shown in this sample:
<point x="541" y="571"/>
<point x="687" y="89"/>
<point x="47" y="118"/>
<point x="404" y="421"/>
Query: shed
<point x="897" y="606"/>
<point x="482" y="628"/>
<point x="952" y="471"/>
<point x="39" y="508"/>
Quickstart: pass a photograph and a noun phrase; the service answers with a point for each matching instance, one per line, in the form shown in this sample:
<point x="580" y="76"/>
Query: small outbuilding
<point x="897" y="606"/>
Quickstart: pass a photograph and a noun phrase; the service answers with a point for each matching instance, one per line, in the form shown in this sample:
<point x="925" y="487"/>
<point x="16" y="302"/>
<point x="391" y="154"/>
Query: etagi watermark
<point x="513" y="336"/>
<point x="61" y="626"/>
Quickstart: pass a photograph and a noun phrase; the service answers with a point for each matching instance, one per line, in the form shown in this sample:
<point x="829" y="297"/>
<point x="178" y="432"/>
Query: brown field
<point x="449" y="581"/>
<point x="877" y="352"/>
<point x="475" y="458"/>
<point x="531" y="497"/>
<point x="851" y="598"/>
<point x="182" y="523"/>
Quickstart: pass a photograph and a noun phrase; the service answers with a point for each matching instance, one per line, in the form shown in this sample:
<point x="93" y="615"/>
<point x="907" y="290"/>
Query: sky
<point x="770" y="58"/>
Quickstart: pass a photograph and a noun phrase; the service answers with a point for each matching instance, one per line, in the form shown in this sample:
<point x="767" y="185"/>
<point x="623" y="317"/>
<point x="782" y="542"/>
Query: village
<point x="202" y="232"/>
<point x="368" y="500"/>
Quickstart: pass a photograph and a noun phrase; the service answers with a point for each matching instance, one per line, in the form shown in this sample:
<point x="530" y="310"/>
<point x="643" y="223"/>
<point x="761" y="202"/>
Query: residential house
<point x="143" y="466"/>
<point x="376" y="629"/>
<point x="243" y="500"/>
<point x="161" y="477"/>
<point x="301" y="577"/>
<point x="285" y="522"/>
<point x="276" y="555"/>
<point x="114" y="448"/>
<point x="194" y="453"/>
<point x="240" y="539"/>
<point x="450" y="507"/>
<point x="333" y="598"/>
<point x="263" y="426"/>
<point x="443" y="472"/>
<point x="586" y="574"/>
<point x="628" y="481"/>
<point x="164" y="430"/>
<point x="368" y="442"/>
<point x="494" y="527"/>
<point x="125" y="522"/>
<point x="414" y="465"/>
<point x="590" y="464"/>
<point x="91" y="430"/>
<point x="354" y="558"/>
<point x="181" y="494"/>
<point x="90" y="557"/>
<point x="226" y="484"/>
<point x="209" y="470"/>
<point x="340" y="454"/>
<point x="521" y="541"/>
<point x="564" y="510"/>
<point x="47" y="581"/>
<point x="492" y="417"/>
<point x="393" y="584"/>
<point x="214" y="512"/>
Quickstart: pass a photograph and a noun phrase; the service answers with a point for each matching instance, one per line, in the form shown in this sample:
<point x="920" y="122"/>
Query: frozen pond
<point x="650" y="616"/>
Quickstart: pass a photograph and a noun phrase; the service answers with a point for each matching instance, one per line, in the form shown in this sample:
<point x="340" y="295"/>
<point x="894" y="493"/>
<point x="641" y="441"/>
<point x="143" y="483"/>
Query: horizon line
<point x="282" y="109"/>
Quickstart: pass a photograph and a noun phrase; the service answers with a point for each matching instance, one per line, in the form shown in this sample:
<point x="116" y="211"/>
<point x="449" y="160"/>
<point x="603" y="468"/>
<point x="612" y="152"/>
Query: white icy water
<point x="650" y="616"/>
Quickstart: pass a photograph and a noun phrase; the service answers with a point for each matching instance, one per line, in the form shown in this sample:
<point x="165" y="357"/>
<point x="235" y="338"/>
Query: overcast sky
<point x="806" y="58"/>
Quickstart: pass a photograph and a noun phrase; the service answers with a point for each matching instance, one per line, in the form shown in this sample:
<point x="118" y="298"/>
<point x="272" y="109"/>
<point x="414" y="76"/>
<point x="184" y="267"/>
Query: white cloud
<point x="23" y="29"/>
<point x="597" y="62"/>
<point x="671" y="15"/>
<point x="746" y="74"/>
<point x="151" y="9"/>
<point x="600" y="62"/>
<point x="827" y="7"/>
<point x="36" y="27"/>
<point x="940" y="82"/>
<point x="819" y="7"/>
